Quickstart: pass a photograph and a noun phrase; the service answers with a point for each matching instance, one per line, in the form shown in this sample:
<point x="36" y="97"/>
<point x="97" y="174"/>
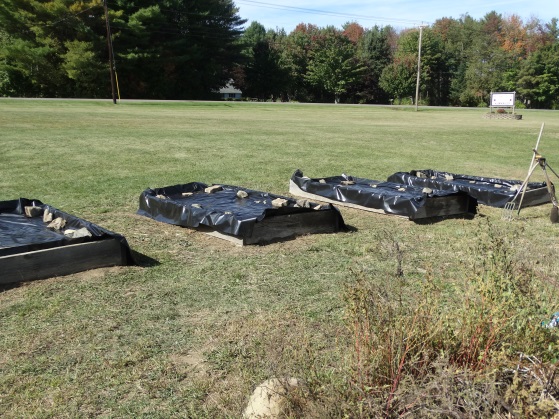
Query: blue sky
<point x="397" y="13"/>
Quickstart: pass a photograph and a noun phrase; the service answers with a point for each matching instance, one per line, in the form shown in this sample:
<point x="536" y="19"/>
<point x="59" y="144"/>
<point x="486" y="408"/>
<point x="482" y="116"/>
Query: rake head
<point x="508" y="211"/>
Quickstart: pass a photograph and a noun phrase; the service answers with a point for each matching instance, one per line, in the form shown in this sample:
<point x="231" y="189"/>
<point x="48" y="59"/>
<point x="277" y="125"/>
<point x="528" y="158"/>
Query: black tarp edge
<point x="50" y="238"/>
<point x="489" y="191"/>
<point x="222" y="211"/>
<point x="391" y="197"/>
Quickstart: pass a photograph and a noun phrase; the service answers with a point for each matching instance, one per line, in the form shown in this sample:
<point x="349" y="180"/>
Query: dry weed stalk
<point x="406" y="333"/>
<point x="533" y="386"/>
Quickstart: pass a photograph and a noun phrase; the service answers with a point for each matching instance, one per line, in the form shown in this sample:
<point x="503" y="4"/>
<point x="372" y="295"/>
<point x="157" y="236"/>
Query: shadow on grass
<point x="350" y="229"/>
<point x="7" y="287"/>
<point x="435" y="220"/>
<point x="142" y="260"/>
<point x="138" y="259"/>
<point x="346" y="229"/>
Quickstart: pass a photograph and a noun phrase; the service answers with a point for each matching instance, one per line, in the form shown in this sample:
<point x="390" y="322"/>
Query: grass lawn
<point x="193" y="335"/>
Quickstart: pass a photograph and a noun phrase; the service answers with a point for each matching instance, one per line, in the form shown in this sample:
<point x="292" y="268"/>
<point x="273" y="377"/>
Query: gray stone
<point x="279" y="202"/>
<point x="32" y="211"/>
<point x="76" y="234"/>
<point x="303" y="203"/>
<point x="427" y="191"/>
<point x="57" y="223"/>
<point x="270" y="399"/>
<point x="213" y="189"/>
<point x="321" y="181"/>
<point x="347" y="182"/>
<point x="47" y="216"/>
<point x="242" y="194"/>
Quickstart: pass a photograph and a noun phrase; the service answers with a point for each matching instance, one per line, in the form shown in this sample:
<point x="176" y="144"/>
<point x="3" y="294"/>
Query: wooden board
<point x="287" y="226"/>
<point x="445" y="206"/>
<point x="441" y="205"/>
<point x="207" y="230"/>
<point x="62" y="260"/>
<point x="282" y="227"/>
<point x="295" y="190"/>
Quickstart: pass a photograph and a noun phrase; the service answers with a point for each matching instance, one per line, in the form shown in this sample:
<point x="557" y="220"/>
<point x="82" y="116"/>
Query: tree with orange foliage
<point x="353" y="31"/>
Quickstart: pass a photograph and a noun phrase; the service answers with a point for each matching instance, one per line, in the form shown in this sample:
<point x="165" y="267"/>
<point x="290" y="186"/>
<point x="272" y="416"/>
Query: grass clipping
<point x="471" y="346"/>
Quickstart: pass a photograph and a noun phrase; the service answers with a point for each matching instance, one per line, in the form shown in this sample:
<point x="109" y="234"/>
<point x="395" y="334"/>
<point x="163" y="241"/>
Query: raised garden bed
<point x="494" y="192"/>
<point x="382" y="197"/>
<point x="38" y="241"/>
<point x="240" y="215"/>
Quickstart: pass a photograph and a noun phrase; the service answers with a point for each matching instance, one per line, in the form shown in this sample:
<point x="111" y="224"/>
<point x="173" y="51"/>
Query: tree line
<point x="169" y="49"/>
<point x="462" y="61"/>
<point x="188" y="49"/>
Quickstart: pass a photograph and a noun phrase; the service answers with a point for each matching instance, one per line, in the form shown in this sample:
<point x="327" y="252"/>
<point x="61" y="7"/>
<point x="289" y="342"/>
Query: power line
<point x="325" y="12"/>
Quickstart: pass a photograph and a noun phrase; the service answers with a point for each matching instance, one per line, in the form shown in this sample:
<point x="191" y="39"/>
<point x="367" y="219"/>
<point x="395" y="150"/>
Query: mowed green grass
<point x="192" y="335"/>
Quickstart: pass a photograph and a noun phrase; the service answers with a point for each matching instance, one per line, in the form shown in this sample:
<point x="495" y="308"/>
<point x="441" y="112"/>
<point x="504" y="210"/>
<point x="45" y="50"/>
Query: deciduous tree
<point x="398" y="78"/>
<point x="333" y="65"/>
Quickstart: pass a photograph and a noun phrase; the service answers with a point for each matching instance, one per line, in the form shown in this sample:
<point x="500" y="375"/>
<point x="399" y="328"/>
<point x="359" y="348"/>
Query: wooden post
<point x="109" y="46"/>
<point x="418" y="68"/>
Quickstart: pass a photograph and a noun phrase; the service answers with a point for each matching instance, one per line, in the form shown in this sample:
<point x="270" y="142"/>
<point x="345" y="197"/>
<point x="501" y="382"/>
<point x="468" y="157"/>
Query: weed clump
<point x="478" y="347"/>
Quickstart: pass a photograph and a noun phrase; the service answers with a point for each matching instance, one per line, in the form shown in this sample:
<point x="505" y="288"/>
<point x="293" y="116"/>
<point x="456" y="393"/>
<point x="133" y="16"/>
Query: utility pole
<point x="110" y="47"/>
<point x="418" y="69"/>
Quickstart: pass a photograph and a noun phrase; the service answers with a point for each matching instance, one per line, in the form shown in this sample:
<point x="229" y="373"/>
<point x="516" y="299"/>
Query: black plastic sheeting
<point x="488" y="191"/>
<point x="222" y="211"/>
<point x="20" y="234"/>
<point x="391" y="197"/>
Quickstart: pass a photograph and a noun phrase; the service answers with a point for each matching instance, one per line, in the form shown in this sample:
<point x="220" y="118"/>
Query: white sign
<point x="503" y="99"/>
